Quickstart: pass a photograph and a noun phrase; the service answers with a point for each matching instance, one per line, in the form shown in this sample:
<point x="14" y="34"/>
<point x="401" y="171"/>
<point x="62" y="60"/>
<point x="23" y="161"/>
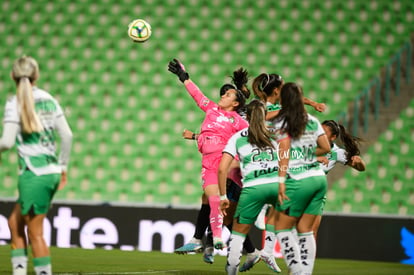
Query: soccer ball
<point x="139" y="30"/>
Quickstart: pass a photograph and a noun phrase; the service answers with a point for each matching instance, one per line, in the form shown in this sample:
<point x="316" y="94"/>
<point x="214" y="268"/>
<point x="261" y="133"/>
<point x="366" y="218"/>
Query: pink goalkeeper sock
<point x="216" y="220"/>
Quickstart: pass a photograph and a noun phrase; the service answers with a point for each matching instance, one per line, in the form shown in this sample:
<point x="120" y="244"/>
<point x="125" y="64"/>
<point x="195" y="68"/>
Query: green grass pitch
<point x="78" y="261"/>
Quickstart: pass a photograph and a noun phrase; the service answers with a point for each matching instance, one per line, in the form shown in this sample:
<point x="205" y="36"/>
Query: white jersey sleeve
<point x="319" y="131"/>
<point x="340" y="155"/>
<point x="11" y="113"/>
<point x="11" y="125"/>
<point x="231" y="144"/>
<point x="59" y="110"/>
<point x="10" y="131"/>
<point x="336" y="154"/>
<point x="65" y="133"/>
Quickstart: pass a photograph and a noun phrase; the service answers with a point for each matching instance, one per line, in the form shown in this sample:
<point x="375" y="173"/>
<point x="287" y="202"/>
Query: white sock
<point x="235" y="249"/>
<point x="19" y="264"/>
<point x="307" y="246"/>
<point x="290" y="251"/>
<point x="43" y="270"/>
<point x="269" y="244"/>
<point x="295" y="234"/>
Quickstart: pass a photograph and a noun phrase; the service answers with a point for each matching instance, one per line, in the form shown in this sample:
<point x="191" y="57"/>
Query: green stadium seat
<point x="388" y="176"/>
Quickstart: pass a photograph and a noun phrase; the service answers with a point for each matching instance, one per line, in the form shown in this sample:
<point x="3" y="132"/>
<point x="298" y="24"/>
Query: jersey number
<point x="308" y="152"/>
<point x="262" y="155"/>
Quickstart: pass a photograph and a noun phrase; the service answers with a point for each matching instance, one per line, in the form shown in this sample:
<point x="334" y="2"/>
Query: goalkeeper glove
<point x="178" y="69"/>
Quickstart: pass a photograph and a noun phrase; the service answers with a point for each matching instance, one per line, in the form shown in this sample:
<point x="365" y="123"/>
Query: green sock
<point x="42" y="265"/>
<point x="41" y="261"/>
<point x="20" y="252"/>
<point x="270" y="227"/>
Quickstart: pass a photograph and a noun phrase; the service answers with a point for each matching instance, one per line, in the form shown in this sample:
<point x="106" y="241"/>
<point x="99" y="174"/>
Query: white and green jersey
<point x="257" y="166"/>
<point x="270" y="107"/>
<point x="37" y="151"/>
<point x="303" y="162"/>
<point x="273" y="107"/>
<point x="336" y="154"/>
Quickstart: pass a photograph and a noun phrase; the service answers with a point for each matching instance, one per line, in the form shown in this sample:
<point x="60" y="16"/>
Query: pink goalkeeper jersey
<point x="218" y="125"/>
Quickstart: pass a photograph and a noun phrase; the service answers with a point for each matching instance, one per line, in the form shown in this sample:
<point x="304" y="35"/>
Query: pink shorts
<point x="209" y="170"/>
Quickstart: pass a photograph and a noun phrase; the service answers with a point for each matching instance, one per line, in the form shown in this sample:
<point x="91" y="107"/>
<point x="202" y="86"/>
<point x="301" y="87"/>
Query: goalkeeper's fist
<point x="178" y="69"/>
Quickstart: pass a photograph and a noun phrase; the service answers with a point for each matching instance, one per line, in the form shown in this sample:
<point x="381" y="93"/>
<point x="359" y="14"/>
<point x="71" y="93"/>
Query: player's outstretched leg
<point x="290" y="251"/>
<point x="251" y="259"/>
<point x="270" y="261"/>
<point x="195" y="245"/>
<point x="208" y="256"/>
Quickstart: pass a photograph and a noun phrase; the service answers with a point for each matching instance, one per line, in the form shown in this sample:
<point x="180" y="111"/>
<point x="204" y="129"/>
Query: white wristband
<point x="282" y="179"/>
<point x="223" y="197"/>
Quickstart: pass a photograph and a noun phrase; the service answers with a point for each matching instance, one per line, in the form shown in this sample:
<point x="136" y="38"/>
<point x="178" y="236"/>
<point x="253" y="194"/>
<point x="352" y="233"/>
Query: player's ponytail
<point x="350" y="142"/>
<point x="25" y="72"/>
<point x="258" y="132"/>
<point x="256" y="86"/>
<point x="240" y="78"/>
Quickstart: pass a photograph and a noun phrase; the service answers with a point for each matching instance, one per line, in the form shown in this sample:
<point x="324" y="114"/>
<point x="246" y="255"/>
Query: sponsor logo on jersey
<point x="262" y="172"/>
<point x="205" y="102"/>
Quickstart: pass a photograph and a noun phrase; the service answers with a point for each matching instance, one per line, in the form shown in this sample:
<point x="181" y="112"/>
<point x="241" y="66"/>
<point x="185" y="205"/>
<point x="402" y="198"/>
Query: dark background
<point x="340" y="236"/>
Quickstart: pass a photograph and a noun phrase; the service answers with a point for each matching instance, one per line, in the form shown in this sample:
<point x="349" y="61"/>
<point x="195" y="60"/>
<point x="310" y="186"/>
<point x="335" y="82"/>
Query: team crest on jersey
<point x="231" y="119"/>
<point x="329" y="155"/>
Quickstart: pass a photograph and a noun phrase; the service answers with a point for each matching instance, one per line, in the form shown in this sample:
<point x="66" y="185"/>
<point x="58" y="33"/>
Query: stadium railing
<point x="378" y="91"/>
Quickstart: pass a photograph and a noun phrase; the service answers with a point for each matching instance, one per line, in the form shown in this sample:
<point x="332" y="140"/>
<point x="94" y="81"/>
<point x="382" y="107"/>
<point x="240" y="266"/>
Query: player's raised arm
<point x="177" y="68"/>
<point x="320" y="107"/>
